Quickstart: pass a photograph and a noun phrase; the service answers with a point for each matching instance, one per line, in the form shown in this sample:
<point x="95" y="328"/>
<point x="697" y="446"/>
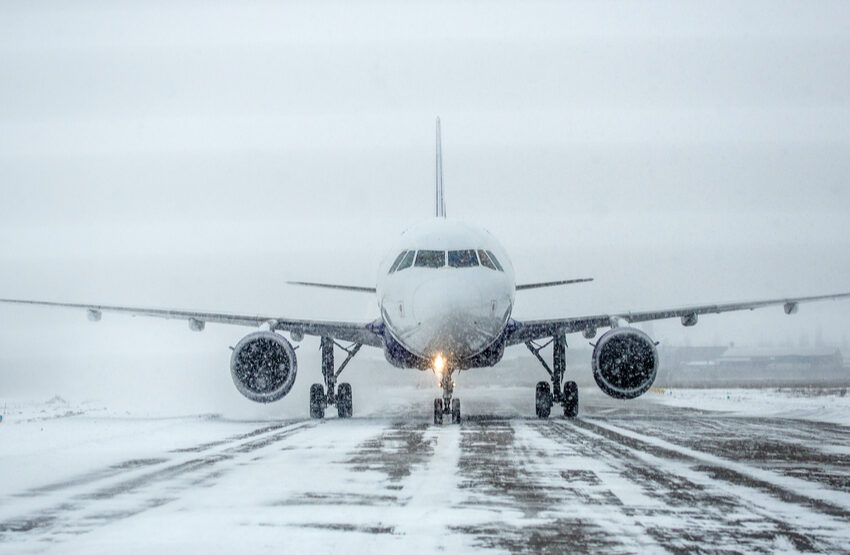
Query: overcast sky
<point x="189" y="155"/>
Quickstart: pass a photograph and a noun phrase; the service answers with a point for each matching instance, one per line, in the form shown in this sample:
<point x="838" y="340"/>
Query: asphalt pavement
<point x="621" y="478"/>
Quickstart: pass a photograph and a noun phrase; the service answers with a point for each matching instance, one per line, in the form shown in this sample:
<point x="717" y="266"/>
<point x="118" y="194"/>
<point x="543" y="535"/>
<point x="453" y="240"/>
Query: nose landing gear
<point x="566" y="395"/>
<point x="447" y="405"/>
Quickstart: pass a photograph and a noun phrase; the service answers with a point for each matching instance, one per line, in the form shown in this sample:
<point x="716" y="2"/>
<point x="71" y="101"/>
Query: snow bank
<point x="823" y="405"/>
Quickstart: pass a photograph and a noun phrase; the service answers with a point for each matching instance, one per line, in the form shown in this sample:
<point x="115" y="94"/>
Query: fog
<point x="178" y="154"/>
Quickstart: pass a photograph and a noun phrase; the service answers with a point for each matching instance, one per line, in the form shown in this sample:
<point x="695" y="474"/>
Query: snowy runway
<point x="641" y="476"/>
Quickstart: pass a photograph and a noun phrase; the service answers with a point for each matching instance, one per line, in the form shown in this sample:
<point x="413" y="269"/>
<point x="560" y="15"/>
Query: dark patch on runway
<point x="320" y="499"/>
<point x="495" y="474"/>
<point x="559" y="536"/>
<point x="488" y="468"/>
<point x="28" y="524"/>
<point x="338" y="527"/>
<point x="395" y="452"/>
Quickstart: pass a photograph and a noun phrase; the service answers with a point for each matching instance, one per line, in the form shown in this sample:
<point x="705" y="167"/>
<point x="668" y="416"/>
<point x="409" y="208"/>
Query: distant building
<point x="799" y="357"/>
<point x="751" y="367"/>
<point x="676" y="357"/>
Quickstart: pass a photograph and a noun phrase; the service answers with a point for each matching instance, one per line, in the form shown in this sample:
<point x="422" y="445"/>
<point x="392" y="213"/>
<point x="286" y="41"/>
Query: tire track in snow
<point x="379" y="489"/>
<point x="793" y="490"/>
<point x="812" y="451"/>
<point x="133" y="464"/>
<point x="695" y="509"/>
<point x="431" y="497"/>
<point x="125" y="488"/>
<point x="505" y="472"/>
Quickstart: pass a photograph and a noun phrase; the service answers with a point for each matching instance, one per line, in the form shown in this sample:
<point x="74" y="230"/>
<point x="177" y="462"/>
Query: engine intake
<point x="263" y="366"/>
<point x="625" y="363"/>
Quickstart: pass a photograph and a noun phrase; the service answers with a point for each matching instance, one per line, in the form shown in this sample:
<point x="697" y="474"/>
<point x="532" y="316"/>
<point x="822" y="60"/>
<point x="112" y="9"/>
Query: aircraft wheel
<point x="343" y="400"/>
<point x="455" y="411"/>
<point x="570" y="399"/>
<point x="438" y="411"/>
<point x="543" y="400"/>
<point x="317" y="401"/>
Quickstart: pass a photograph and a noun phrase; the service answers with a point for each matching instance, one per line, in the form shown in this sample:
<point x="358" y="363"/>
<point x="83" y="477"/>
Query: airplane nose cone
<point x="453" y="317"/>
<point x="441" y="298"/>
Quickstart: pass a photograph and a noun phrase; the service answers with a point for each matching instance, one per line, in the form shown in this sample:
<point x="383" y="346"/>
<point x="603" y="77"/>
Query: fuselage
<point x="446" y="290"/>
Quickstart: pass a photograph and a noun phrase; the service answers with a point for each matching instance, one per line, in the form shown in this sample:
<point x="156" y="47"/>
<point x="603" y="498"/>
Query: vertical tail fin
<point x="440" y="200"/>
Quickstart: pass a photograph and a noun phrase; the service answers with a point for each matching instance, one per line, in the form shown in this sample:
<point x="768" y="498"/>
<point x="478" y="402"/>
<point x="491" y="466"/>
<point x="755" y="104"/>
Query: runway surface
<point x="622" y="478"/>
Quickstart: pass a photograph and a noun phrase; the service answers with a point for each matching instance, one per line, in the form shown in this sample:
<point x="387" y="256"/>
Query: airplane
<point x="445" y="294"/>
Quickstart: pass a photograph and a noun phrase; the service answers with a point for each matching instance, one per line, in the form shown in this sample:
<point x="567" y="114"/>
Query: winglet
<point x="440" y="200"/>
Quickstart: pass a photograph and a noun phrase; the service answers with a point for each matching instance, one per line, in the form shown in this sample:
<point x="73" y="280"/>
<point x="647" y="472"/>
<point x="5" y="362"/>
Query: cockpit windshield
<point x="398" y="260"/>
<point x="407" y="261"/>
<point x="495" y="261"/>
<point x="430" y="259"/>
<point x="463" y="259"/>
<point x="485" y="260"/>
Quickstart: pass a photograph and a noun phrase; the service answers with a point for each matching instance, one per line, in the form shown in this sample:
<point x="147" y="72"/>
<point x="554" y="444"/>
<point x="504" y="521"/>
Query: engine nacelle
<point x="263" y="366"/>
<point x="625" y="363"/>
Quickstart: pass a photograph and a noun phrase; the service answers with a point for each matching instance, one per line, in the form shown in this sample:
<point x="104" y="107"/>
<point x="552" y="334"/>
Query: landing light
<point x="439" y="365"/>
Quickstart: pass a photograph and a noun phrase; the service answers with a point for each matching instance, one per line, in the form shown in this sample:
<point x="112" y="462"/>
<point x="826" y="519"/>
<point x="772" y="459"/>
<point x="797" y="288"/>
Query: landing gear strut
<point x="447" y="405"/>
<point x="329" y="394"/>
<point x="566" y="395"/>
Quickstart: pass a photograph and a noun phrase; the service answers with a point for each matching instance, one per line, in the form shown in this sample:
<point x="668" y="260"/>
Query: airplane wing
<point x="520" y="332"/>
<point x="523" y="286"/>
<point x="367" y="334"/>
<point x="357" y="288"/>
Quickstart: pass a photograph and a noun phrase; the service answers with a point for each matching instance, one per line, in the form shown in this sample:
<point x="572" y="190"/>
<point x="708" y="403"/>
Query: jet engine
<point x="263" y="366"/>
<point x="625" y="362"/>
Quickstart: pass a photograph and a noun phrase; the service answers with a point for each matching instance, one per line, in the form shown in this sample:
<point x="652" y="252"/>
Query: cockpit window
<point x="462" y="259"/>
<point x="495" y="261"/>
<point x="407" y="261"/>
<point x="394" y="267"/>
<point x="430" y="259"/>
<point x="485" y="260"/>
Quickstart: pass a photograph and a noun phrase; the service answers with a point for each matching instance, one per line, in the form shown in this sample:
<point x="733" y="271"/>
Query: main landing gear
<point x="329" y="394"/>
<point x="545" y="397"/>
<point x="447" y="405"/>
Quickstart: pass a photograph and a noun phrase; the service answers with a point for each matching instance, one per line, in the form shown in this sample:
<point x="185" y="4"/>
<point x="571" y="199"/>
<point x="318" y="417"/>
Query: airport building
<point x="752" y="367"/>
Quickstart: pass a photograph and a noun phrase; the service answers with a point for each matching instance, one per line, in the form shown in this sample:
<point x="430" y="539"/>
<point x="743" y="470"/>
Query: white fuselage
<point x="452" y="297"/>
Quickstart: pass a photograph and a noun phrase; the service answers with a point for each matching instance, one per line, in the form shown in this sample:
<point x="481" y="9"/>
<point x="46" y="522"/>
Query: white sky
<point x="188" y="155"/>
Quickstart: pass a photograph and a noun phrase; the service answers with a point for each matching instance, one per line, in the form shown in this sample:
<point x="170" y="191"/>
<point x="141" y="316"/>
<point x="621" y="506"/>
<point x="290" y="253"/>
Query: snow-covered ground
<point x="738" y="470"/>
<point x="823" y="405"/>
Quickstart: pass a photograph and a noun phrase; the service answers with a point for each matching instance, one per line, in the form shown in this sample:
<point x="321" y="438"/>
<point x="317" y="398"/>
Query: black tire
<point x="455" y="411"/>
<point x="570" y="399"/>
<point x="343" y="400"/>
<point x="438" y="411"/>
<point x="317" y="401"/>
<point x="543" y="400"/>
